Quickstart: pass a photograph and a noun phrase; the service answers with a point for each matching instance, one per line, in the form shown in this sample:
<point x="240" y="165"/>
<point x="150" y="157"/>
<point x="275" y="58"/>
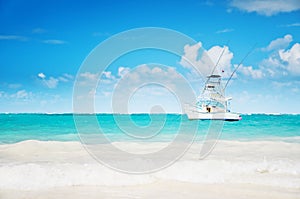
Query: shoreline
<point x="67" y="165"/>
<point x="160" y="189"/>
<point x="288" y="139"/>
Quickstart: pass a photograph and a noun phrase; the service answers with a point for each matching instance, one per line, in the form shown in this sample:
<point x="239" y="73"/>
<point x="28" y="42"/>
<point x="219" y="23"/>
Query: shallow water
<point x="62" y="127"/>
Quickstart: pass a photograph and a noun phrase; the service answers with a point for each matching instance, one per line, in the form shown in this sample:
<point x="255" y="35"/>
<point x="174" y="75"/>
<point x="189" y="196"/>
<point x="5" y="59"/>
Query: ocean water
<point x="61" y="127"/>
<point x="262" y="150"/>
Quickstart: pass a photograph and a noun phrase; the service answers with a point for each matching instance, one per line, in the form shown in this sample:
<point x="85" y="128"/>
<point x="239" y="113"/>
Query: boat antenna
<point x="216" y="63"/>
<point x="220" y="58"/>
<point x="236" y="68"/>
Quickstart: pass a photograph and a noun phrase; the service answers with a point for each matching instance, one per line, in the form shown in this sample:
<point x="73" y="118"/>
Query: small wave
<point x="33" y="165"/>
<point x="33" y="176"/>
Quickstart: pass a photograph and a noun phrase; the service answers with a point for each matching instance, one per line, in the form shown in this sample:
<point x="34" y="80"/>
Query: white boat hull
<point x="198" y="115"/>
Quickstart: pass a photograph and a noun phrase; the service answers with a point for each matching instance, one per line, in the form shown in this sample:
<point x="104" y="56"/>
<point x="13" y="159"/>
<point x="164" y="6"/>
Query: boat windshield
<point x="210" y="102"/>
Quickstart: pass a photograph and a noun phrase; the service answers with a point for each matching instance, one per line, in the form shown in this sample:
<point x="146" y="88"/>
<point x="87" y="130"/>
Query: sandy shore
<point x="161" y="189"/>
<point x="256" y="169"/>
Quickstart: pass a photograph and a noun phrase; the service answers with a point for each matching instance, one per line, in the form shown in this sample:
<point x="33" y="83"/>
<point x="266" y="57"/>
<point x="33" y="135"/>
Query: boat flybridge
<point x="212" y="104"/>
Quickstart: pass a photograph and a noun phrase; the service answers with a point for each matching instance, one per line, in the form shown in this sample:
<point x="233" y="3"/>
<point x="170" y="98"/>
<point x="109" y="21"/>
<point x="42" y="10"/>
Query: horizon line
<point x="136" y="113"/>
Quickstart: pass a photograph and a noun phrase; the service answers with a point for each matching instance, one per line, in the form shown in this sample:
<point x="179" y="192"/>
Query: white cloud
<point x="108" y="75"/>
<point x="65" y="78"/>
<point x="95" y="84"/>
<point x="13" y="37"/>
<point x="272" y="66"/>
<point x="14" y="86"/>
<point x="281" y="84"/>
<point x="224" y="66"/>
<point x="283" y="61"/>
<point x="116" y="90"/>
<point x="91" y="79"/>
<point x="190" y="54"/>
<point x="291" y="59"/>
<point x="89" y="76"/>
<point x="225" y="30"/>
<point x="18" y="95"/>
<point x="38" y="30"/>
<point x="290" y="86"/>
<point x="68" y="76"/>
<point x="266" y="7"/>
<point x="21" y="94"/>
<point x="52" y="82"/>
<point x="54" y="41"/>
<point x="279" y="43"/>
<point x="195" y="59"/>
<point x="208" y="59"/>
<point x="42" y="75"/>
<point x="292" y="25"/>
<point x="249" y="71"/>
<point x="145" y="72"/>
<point x="122" y="71"/>
<point x="146" y="81"/>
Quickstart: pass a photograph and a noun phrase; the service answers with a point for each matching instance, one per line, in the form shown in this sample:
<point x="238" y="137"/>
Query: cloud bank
<point x="266" y="7"/>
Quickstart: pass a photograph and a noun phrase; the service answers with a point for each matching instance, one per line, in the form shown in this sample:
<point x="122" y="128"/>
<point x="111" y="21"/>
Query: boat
<point x="212" y="104"/>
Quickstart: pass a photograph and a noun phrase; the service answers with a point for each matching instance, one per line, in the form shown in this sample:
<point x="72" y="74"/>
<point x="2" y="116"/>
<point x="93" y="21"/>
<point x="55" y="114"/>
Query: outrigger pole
<point x="239" y="66"/>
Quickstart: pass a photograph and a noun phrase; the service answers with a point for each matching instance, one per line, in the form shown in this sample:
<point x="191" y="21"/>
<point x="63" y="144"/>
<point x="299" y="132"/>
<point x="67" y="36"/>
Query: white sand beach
<point x="252" y="169"/>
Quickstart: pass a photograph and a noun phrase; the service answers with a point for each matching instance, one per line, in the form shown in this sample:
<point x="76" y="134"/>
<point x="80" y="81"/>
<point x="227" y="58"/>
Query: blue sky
<point x="43" y="44"/>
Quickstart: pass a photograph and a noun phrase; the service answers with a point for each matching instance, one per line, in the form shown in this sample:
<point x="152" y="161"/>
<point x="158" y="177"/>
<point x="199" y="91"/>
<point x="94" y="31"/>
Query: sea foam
<point x="33" y="165"/>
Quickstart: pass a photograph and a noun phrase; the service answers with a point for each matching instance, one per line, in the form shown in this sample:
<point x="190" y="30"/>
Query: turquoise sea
<point x="61" y="127"/>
